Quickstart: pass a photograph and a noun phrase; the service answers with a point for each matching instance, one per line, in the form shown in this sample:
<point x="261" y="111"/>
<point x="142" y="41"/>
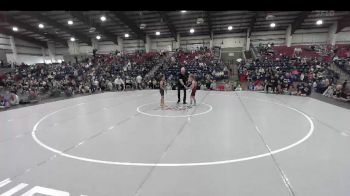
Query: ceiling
<point x="168" y="23"/>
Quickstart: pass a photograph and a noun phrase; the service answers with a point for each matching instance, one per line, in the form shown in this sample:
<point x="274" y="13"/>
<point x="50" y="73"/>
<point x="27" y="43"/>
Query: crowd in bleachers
<point x="343" y="64"/>
<point x="284" y="76"/>
<point x="339" y="91"/>
<point x="3" y="64"/>
<point x="98" y="73"/>
<point x="326" y="52"/>
<point x="296" y="70"/>
<point x="199" y="62"/>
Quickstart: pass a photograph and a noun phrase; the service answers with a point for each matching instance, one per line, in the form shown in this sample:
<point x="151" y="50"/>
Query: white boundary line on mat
<point x="307" y="136"/>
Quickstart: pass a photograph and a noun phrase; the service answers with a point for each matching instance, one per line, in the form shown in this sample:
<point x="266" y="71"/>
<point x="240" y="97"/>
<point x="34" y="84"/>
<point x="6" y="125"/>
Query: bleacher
<point x="200" y="63"/>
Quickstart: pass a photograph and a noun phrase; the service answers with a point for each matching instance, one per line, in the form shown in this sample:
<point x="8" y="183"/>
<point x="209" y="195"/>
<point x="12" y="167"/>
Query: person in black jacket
<point x="181" y="84"/>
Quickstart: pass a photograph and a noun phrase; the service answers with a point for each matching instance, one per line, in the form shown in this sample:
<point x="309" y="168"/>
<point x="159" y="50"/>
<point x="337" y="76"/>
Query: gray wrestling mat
<point x="123" y="143"/>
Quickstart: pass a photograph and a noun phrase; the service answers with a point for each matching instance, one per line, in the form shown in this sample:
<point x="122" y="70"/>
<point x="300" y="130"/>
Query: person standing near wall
<point x="139" y="81"/>
<point x="181" y="84"/>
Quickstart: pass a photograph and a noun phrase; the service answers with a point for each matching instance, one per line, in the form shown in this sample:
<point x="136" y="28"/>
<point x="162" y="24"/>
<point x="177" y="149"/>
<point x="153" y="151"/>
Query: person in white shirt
<point x="95" y="85"/>
<point x="139" y="80"/>
<point x="128" y="82"/>
<point x="302" y="77"/>
<point x="213" y="85"/>
<point x="109" y="85"/>
<point x="239" y="88"/>
<point x="119" y="83"/>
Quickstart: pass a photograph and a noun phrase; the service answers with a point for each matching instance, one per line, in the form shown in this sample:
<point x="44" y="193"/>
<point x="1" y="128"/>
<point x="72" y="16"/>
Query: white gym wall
<point x="30" y="53"/>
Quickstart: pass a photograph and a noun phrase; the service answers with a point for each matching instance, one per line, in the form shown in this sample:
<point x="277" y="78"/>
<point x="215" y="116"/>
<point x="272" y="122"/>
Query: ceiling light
<point x="14" y="28"/>
<point x="143" y="26"/>
<point x="126" y="35"/>
<point x="103" y="18"/>
<point x="319" y="22"/>
<point x="70" y="22"/>
<point x="183" y="11"/>
<point x="72" y="39"/>
<point x="229" y="28"/>
<point x="92" y="29"/>
<point x="200" y="21"/>
<point x="41" y="26"/>
<point x="191" y="30"/>
<point x="272" y="25"/>
<point x="98" y="37"/>
<point x="157" y="33"/>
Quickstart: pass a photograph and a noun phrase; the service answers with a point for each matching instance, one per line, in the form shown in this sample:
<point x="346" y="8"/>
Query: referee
<point x="181" y="84"/>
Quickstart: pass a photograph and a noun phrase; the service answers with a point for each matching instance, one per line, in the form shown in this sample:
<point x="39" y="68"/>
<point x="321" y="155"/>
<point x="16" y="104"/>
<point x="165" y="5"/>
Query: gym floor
<point x="123" y="143"/>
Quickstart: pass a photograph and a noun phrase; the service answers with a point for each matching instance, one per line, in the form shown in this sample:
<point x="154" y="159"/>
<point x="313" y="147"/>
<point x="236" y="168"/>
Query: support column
<point x="52" y="51"/>
<point x="14" y="50"/>
<point x="289" y="36"/>
<point x="247" y="48"/>
<point x="247" y="43"/>
<point x="211" y="40"/>
<point x="120" y="45"/>
<point x="95" y="44"/>
<point x="177" y="44"/>
<point x="148" y="43"/>
<point x="73" y="48"/>
<point x="332" y="36"/>
<point x="43" y="53"/>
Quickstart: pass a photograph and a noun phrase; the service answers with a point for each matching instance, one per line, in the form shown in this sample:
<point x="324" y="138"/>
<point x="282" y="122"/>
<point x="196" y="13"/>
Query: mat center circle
<point x="174" y="109"/>
<point x="177" y="164"/>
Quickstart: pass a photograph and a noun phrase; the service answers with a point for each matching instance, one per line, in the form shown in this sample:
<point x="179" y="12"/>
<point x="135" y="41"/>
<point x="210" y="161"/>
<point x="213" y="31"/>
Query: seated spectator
<point x="213" y="85"/>
<point x="338" y="92"/>
<point x="238" y="88"/>
<point x="119" y="83"/>
<point x="14" y="100"/>
<point x="4" y="103"/>
<point x="109" y="85"/>
<point x="329" y="91"/>
<point x="69" y="91"/>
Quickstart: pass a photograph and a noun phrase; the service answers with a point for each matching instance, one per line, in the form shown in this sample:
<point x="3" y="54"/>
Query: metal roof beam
<point x="55" y="24"/>
<point x="130" y="24"/>
<point x="23" y="25"/>
<point x="85" y="19"/>
<point x="209" y="23"/>
<point x="23" y="37"/>
<point x="343" y="22"/>
<point x="299" y="20"/>
<point x="251" y="24"/>
<point x="169" y="23"/>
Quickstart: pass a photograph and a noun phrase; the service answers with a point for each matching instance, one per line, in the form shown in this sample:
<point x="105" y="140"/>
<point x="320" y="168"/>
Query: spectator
<point x="181" y="84"/>
<point x="119" y="83"/>
<point x="14" y="100"/>
<point x="139" y="81"/>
